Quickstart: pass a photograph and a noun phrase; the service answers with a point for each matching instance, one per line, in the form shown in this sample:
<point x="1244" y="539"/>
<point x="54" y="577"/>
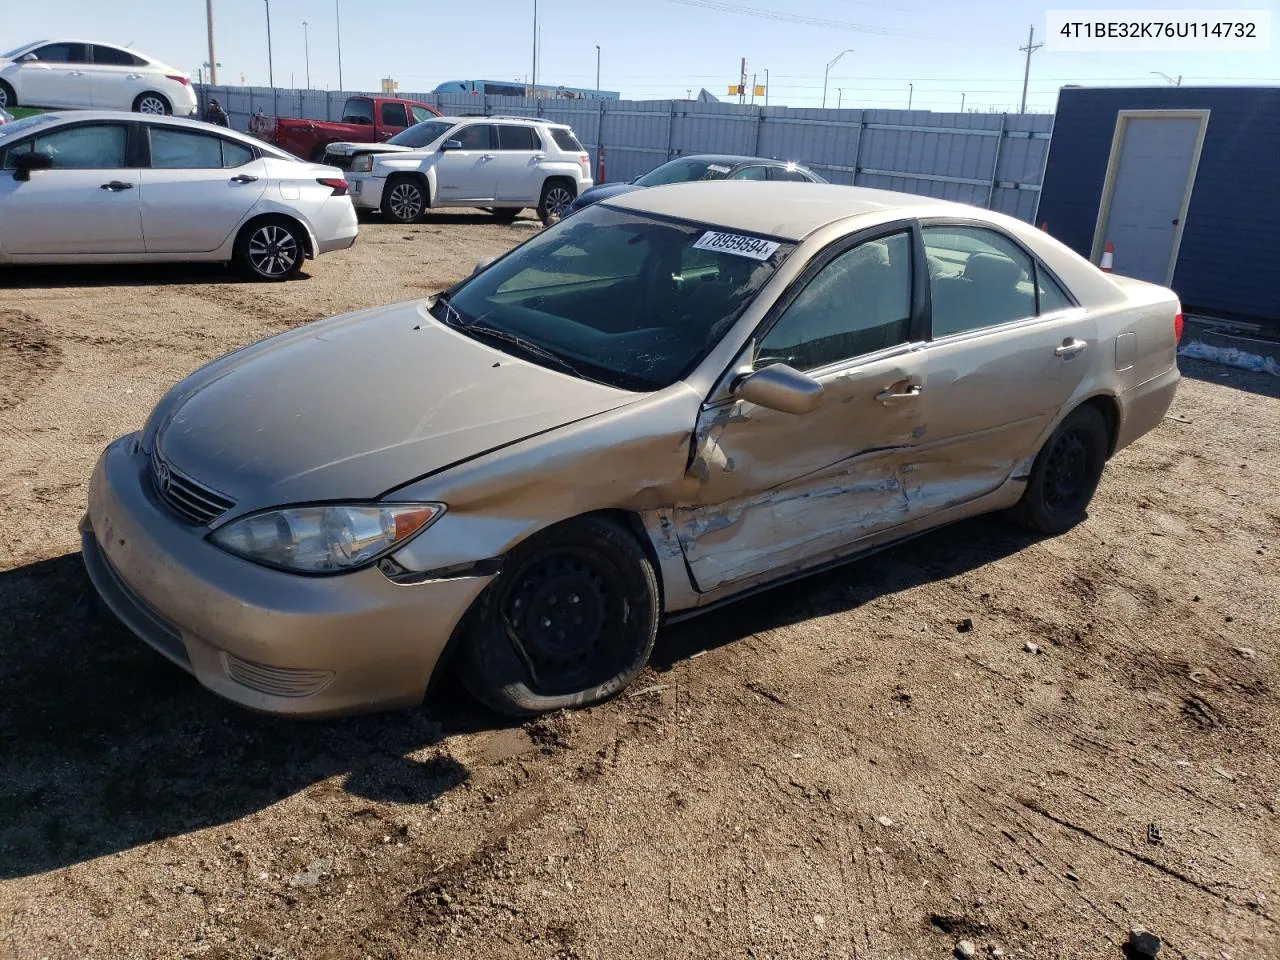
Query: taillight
<point x="179" y="78"/>
<point x="585" y="160"/>
<point x="339" y="186"/>
<point x="1177" y="326"/>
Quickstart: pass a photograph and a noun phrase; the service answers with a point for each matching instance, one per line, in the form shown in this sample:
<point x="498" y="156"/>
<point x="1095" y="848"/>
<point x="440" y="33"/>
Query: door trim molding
<point x="1113" y="168"/>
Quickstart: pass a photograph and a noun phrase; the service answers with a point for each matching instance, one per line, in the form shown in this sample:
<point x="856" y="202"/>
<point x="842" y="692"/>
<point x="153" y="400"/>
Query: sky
<point x="929" y="53"/>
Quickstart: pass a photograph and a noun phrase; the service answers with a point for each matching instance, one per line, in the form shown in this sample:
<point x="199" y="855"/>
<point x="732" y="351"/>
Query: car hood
<point x="605" y="191"/>
<point x="350" y="149"/>
<point x="350" y="408"/>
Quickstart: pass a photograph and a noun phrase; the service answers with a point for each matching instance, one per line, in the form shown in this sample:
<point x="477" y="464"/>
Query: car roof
<point x="787" y="211"/>
<point x="734" y="159"/>
<point x="532" y="121"/>
<point x="82" y="116"/>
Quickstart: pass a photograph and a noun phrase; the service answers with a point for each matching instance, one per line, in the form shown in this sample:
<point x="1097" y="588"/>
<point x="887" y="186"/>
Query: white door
<point x="517" y="165"/>
<point x="198" y="189"/>
<point x="466" y="175"/>
<point x="86" y="204"/>
<point x="116" y="77"/>
<point x="58" y="77"/>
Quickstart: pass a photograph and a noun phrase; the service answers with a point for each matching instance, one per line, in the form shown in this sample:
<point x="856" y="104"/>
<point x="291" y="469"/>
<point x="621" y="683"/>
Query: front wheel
<point x="8" y="99"/>
<point x="404" y="200"/>
<point x="1065" y="474"/>
<point x="569" y="622"/>
<point x="271" y="250"/>
<point x="152" y="103"/>
<point x="557" y="198"/>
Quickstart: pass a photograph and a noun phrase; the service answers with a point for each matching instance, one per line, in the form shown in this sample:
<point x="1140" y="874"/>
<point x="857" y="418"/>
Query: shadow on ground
<point x="1224" y="376"/>
<point x="105" y="746"/>
<point x="125" y="275"/>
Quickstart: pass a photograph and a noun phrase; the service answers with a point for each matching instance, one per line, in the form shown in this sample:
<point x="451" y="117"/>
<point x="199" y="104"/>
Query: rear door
<point x="198" y="189"/>
<point x="87" y="204"/>
<point x="516" y="169"/>
<point x="58" y="77"/>
<point x="1008" y="348"/>
<point x="466" y="175"/>
<point x="116" y="77"/>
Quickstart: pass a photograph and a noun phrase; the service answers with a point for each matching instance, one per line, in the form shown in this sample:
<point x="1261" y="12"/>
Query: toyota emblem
<point x="162" y="476"/>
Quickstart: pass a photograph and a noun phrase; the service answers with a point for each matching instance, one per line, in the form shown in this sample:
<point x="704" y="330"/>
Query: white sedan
<point x="106" y="187"/>
<point x="80" y="74"/>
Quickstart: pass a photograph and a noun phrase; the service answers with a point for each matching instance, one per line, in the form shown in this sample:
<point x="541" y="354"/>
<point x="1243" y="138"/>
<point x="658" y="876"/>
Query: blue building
<point x="1184" y="182"/>
<point x="513" y="88"/>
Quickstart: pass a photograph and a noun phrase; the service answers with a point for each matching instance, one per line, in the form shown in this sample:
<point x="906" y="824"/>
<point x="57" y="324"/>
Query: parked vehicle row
<point x="672" y="398"/>
<point x="364" y="120"/>
<point x="90" y="75"/>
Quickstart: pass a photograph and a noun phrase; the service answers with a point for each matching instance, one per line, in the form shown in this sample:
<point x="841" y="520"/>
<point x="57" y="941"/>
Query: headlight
<point x="325" y="539"/>
<point x="362" y="163"/>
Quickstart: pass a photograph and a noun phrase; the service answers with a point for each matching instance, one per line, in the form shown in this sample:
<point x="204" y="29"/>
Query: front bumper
<point x="268" y="640"/>
<point x="365" y="190"/>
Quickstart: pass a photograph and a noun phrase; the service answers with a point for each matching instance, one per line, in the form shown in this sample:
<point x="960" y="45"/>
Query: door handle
<point x="487" y="156"/>
<point x="890" y="395"/>
<point x="539" y="157"/>
<point x="115" y="186"/>
<point x="244" y="178"/>
<point x="133" y="76"/>
<point x="77" y="73"/>
<point x="1070" y="347"/>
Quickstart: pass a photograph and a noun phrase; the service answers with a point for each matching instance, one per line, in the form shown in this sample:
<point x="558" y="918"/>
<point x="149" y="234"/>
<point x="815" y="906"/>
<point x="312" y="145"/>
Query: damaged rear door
<point x="777" y="492"/>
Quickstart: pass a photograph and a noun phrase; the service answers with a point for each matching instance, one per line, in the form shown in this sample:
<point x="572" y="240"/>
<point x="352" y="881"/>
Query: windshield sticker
<point x="737" y="244"/>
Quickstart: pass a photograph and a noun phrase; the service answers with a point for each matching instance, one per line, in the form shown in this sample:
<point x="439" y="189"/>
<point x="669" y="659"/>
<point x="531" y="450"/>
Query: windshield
<point x="421" y="134"/>
<point x="685" y="170"/>
<point x="25" y="124"/>
<point x="630" y="301"/>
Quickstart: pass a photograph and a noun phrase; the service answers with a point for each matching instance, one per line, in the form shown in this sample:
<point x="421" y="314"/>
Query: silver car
<point x="105" y="187"/>
<point x="668" y="400"/>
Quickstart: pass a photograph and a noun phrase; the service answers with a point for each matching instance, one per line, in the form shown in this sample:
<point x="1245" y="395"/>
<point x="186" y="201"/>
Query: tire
<point x="557" y="198"/>
<point x="317" y="155"/>
<point x="8" y="98"/>
<point x="271" y="249"/>
<point x="527" y="651"/>
<point x="153" y="103"/>
<point x="404" y="199"/>
<point x="1065" y="474"/>
<point x="505" y="214"/>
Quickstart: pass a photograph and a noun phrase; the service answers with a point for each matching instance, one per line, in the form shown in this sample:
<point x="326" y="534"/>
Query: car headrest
<point x="993" y="269"/>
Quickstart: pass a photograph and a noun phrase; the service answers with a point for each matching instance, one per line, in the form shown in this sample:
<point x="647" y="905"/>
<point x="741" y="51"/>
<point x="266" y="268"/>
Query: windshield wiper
<point x="451" y="314"/>
<point x="527" y="346"/>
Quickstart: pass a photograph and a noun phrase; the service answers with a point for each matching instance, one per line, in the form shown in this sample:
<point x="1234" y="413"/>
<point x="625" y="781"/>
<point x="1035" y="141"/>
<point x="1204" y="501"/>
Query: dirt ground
<point x="873" y="763"/>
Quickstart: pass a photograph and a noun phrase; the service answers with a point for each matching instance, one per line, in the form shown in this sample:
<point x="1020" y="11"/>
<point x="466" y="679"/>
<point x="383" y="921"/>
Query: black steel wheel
<point x="1066" y="472"/>
<point x="569" y="622"/>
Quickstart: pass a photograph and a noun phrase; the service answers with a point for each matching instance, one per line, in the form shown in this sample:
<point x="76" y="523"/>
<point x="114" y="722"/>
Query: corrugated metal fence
<point x="988" y="159"/>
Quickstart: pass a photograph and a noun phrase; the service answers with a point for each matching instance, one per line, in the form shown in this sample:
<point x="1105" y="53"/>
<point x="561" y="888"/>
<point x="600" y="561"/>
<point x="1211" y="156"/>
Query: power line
<point x="725" y="7"/>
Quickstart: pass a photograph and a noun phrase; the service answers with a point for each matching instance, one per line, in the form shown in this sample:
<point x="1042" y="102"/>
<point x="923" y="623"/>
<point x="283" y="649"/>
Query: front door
<point x="517" y="164"/>
<point x="466" y="174"/>
<point x="87" y="204"/>
<point x="777" y="491"/>
<point x="1153" y="172"/>
<point x="1008" y="348"/>
<point x="198" y="189"/>
<point x="58" y="77"/>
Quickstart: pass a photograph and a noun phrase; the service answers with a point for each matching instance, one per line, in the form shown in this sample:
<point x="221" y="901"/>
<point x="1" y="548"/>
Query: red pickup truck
<point x="364" y="120"/>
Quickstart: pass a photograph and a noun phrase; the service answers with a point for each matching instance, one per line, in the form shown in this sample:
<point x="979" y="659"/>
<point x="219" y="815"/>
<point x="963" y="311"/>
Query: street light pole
<point x="271" y="71"/>
<point x="766" y="88"/>
<point x="533" y="77"/>
<point x="826" y="77"/>
<point x="911" y="92"/>
<point x="597" y="69"/>
<point x="337" y="16"/>
<point x="213" y="61"/>
<point x="306" y="49"/>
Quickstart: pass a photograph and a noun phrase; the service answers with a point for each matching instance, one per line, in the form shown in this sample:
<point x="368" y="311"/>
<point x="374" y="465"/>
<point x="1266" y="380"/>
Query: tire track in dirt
<point x="28" y="357"/>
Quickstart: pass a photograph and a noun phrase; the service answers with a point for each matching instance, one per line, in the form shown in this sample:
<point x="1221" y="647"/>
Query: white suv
<point x="504" y="164"/>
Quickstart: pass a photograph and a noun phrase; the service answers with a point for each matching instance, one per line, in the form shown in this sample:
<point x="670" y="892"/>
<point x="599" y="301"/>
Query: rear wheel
<point x="271" y="249"/>
<point x="557" y="198"/>
<point x="1065" y="474"/>
<point x="404" y="200"/>
<point x="152" y="102"/>
<point x="569" y="622"/>
<point x="8" y="99"/>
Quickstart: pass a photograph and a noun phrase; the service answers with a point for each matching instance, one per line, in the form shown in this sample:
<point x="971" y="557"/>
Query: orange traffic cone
<point x="600" y="166"/>
<point x="1108" y="257"/>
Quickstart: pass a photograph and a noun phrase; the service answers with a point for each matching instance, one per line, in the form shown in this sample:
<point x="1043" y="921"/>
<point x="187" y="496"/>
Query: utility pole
<point x="911" y="93"/>
<point x="271" y="72"/>
<point x="753" y="87"/>
<point x="213" y="61"/>
<point x="533" y="82"/>
<point x="962" y="103"/>
<point x="742" y="82"/>
<point x="1029" y="49"/>
<point x="766" y="88"/>
<point x="826" y="76"/>
<point x="337" y="16"/>
<point x="597" y="70"/>
<point x="306" y="49"/>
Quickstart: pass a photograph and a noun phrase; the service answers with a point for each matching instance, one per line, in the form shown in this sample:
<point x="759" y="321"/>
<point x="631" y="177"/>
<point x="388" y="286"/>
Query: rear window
<point x="115" y="58"/>
<point x="566" y="141"/>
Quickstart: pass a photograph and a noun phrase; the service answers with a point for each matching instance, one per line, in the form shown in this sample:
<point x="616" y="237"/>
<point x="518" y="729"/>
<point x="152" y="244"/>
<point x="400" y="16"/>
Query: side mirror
<point x="24" y="163"/>
<point x="30" y="58"/>
<point x="450" y="145"/>
<point x="482" y="264"/>
<point x="780" y="387"/>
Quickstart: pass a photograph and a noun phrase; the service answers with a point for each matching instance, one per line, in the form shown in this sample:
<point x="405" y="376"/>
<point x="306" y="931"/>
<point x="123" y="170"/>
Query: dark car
<point x="705" y="166"/>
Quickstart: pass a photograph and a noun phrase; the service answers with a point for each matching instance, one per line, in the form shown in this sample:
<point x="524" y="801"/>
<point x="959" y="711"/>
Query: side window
<point x="566" y="141"/>
<point x="395" y="115"/>
<point x="62" y="53"/>
<point x="978" y="278"/>
<point x="421" y="114"/>
<point x="358" y="110"/>
<point x="858" y="303"/>
<point x="1052" y="297"/>
<point x="235" y="154"/>
<point x="183" y="150"/>
<point x="517" y="138"/>
<point x="474" y="137"/>
<point x="787" y="176"/>
<point x="113" y="57"/>
<point x="97" y="146"/>
<point x="750" y="173"/>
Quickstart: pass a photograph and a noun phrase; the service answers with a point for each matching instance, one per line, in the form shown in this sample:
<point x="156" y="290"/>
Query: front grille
<point x="276" y="681"/>
<point x="341" y="161"/>
<point x="192" y="501"/>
